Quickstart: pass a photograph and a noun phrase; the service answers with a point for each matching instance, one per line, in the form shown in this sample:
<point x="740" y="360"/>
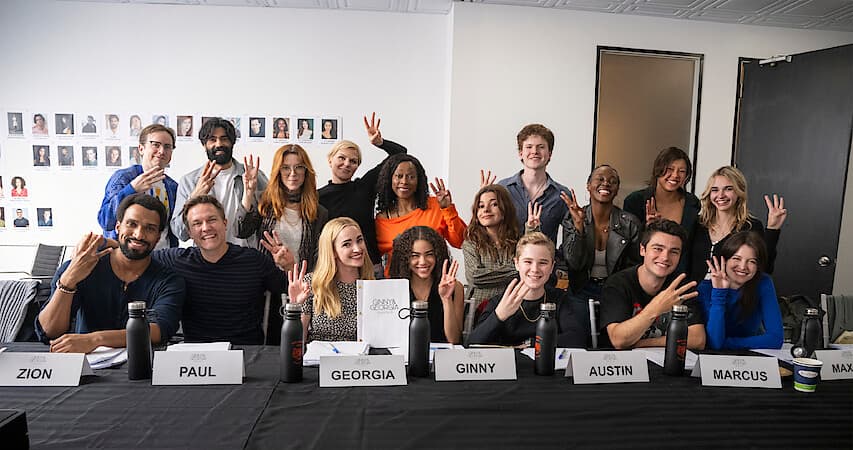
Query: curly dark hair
<point x="387" y="198"/>
<point x="213" y="123"/>
<point x="508" y="230"/>
<point x="402" y="252"/>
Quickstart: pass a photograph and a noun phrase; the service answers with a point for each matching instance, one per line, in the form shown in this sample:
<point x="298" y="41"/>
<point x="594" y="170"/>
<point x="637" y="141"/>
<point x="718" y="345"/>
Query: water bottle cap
<point x="679" y="308"/>
<point x="293" y="307"/>
<point x="136" y="306"/>
<point x="420" y="305"/>
<point x="812" y="312"/>
<point x="548" y="307"/>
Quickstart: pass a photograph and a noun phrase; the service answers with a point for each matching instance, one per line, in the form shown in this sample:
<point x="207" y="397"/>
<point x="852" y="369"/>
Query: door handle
<point x="824" y="261"/>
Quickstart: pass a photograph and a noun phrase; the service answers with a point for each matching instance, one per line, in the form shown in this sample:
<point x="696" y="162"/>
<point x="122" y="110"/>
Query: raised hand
<point x="652" y="213"/>
<point x="281" y="255"/>
<point x="250" y="181"/>
<point x="511" y="300"/>
<point x="486" y="178"/>
<point x="297" y="288"/>
<point x="372" y="128"/>
<point x="448" y="280"/>
<point x="717" y="268"/>
<point x="534" y="211"/>
<point x="672" y="295"/>
<point x="86" y="257"/>
<point x="776" y="212"/>
<point x="206" y="180"/>
<point x="575" y="210"/>
<point x="146" y="179"/>
<point x="442" y="194"/>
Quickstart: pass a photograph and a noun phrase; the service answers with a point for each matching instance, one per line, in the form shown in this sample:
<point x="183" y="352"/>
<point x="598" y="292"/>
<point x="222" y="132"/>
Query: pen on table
<point x="332" y="346"/>
<point x="562" y="354"/>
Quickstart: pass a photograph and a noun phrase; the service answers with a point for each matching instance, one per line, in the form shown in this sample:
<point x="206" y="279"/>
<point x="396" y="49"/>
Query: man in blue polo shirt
<point x="96" y="285"/>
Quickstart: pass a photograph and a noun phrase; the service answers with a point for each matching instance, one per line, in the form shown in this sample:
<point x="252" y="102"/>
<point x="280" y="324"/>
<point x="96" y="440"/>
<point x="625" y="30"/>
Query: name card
<point x="193" y="368"/>
<point x="42" y="369"/>
<point x="738" y="371"/>
<point x="837" y="364"/>
<point x="362" y="370"/>
<point x="475" y="364"/>
<point x="608" y="367"/>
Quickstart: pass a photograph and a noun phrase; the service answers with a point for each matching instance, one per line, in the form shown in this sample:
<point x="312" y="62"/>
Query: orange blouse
<point x="445" y="221"/>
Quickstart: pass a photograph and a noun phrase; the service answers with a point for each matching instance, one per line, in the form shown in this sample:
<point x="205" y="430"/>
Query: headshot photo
<point x="257" y="127"/>
<point x="90" y="156"/>
<point x="2" y="217"/>
<point x="66" y="155"/>
<point x="15" y="122"/>
<point x="281" y="128"/>
<point x="135" y="125"/>
<point x="1" y="187"/>
<point x="160" y="119"/>
<point x="112" y="122"/>
<point x="19" y="187"/>
<point x="306" y="129"/>
<point x="185" y="126"/>
<point x="45" y="217"/>
<point x="330" y="129"/>
<point x="39" y="125"/>
<point x="237" y="122"/>
<point x="21" y="220"/>
<point x="41" y="156"/>
<point x="65" y="124"/>
<point x="113" y="153"/>
<point x="89" y="127"/>
<point x="133" y="155"/>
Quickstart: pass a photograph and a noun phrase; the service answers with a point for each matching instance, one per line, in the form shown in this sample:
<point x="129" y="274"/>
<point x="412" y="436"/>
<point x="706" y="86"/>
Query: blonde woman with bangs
<point x="328" y="295"/>
<point x="724" y="212"/>
<point x="289" y="217"/>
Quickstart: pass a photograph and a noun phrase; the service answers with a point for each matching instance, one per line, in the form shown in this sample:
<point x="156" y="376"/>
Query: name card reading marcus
<point x="738" y="371"/>
<point x="608" y="367"/>
<point x="188" y="367"/>
<point x="362" y="370"/>
<point x="42" y="369"/>
<point x="837" y="364"/>
<point x="475" y="364"/>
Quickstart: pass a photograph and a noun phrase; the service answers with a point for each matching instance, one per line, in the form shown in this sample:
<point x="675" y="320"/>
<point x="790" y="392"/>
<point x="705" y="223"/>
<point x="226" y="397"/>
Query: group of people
<point x="281" y="234"/>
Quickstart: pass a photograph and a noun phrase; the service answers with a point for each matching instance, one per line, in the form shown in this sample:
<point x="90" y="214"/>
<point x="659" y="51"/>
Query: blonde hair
<point x="534" y="238"/>
<point x="275" y="195"/>
<point x="343" y="145"/>
<point x="708" y="213"/>
<point x="327" y="299"/>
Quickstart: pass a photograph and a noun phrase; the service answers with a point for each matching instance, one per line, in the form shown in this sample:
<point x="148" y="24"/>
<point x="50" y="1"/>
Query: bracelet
<point x="65" y="289"/>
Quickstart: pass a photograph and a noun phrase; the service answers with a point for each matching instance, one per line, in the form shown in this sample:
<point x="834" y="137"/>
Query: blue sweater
<point x="118" y="187"/>
<point x="725" y="330"/>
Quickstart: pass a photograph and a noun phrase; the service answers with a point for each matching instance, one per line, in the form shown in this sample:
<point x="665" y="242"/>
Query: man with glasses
<point x="221" y="177"/>
<point x="156" y="144"/>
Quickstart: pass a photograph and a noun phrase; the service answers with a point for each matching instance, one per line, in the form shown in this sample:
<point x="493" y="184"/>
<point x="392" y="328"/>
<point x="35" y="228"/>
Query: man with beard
<point x="96" y="285"/>
<point x="156" y="144"/>
<point x="221" y="177"/>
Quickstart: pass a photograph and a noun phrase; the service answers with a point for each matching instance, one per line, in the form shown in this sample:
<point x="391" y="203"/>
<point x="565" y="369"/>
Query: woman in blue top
<point x="739" y="300"/>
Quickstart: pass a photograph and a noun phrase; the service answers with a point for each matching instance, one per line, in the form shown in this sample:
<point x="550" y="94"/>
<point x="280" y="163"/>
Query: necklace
<point x="539" y="190"/>
<point x="521" y="307"/>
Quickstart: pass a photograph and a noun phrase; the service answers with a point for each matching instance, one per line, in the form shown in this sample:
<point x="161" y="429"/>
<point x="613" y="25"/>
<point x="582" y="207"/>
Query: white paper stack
<point x="200" y="347"/>
<point x="561" y="359"/>
<point x="316" y="349"/>
<point x="103" y="357"/>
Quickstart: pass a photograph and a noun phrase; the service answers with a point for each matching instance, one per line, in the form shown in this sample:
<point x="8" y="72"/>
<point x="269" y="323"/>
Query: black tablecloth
<point x="110" y="411"/>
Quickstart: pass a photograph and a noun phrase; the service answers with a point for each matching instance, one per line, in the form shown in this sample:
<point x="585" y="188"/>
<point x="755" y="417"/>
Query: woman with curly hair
<point x="404" y="202"/>
<point x="724" y="212"/>
<point x="420" y="256"/>
<point x="289" y="217"/>
<point x="328" y="295"/>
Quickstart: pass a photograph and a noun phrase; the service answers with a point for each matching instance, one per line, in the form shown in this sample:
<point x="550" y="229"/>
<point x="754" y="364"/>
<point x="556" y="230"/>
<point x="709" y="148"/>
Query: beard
<point x="222" y="158"/>
<point x="132" y="254"/>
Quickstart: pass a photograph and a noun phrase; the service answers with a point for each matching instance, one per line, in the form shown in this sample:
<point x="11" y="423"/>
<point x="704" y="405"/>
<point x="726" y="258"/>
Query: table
<point x="542" y="412"/>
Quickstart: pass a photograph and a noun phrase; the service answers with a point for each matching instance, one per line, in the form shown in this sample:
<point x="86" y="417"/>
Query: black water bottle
<point x="291" y="344"/>
<point x="138" y="342"/>
<point x="546" y="339"/>
<point x="676" y="342"/>
<point x="419" y="340"/>
<point x="811" y="335"/>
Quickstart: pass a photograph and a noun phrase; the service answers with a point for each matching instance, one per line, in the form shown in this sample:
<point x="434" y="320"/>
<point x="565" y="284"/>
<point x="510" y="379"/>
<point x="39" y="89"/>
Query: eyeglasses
<point x="298" y="170"/>
<point x="158" y="145"/>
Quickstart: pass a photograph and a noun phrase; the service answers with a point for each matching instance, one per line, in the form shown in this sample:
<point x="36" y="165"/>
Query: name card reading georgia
<point x="475" y="364"/>
<point x="194" y="368"/>
<point x="42" y="369"/>
<point x="608" y="367"/>
<point x="362" y="370"/>
<point x="738" y="371"/>
<point x="837" y="364"/>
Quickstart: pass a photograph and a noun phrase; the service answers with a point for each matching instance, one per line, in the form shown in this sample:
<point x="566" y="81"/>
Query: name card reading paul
<point x="198" y="368"/>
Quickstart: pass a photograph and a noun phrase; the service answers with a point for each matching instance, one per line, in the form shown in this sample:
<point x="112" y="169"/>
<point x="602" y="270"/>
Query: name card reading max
<point x="42" y="369"/>
<point x="362" y="370"/>
<point x="475" y="364"/>
<point x="837" y="364"/>
<point x="738" y="371"/>
<point x="194" y="368"/>
<point x="608" y="367"/>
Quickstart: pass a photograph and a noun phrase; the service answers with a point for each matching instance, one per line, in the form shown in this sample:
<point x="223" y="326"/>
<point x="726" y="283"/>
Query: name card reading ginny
<point x="738" y="371"/>
<point x="608" y="367"/>
<point x="42" y="369"/>
<point x="475" y="364"/>
<point x="195" y="368"/>
<point x="837" y="364"/>
<point x="362" y="370"/>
